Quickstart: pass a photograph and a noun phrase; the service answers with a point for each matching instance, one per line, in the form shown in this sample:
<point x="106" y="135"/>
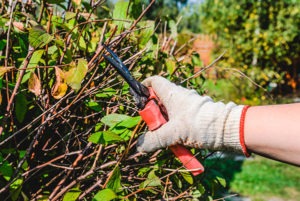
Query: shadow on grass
<point x="223" y="166"/>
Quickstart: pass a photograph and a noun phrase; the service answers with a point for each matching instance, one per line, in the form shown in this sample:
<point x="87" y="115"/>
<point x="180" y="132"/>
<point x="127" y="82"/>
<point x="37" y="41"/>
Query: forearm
<point x="274" y="131"/>
<point x="198" y="121"/>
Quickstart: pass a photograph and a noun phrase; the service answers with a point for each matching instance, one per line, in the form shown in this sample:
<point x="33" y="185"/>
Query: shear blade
<point x="139" y="91"/>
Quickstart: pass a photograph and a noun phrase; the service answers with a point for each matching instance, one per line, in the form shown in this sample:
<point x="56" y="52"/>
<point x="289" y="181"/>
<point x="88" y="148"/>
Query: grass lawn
<point x="262" y="179"/>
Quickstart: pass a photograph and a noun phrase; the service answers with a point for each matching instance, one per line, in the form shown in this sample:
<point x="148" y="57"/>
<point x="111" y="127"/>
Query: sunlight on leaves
<point x="76" y="74"/>
<point x="120" y="13"/>
<point x="106" y="93"/>
<point x="152" y="180"/>
<point x="187" y="177"/>
<point x="105" y="137"/>
<point x="33" y="63"/>
<point x="72" y="194"/>
<point x="105" y="195"/>
<point x="6" y="170"/>
<point x="221" y="181"/>
<point x="38" y="37"/>
<point x="112" y="119"/>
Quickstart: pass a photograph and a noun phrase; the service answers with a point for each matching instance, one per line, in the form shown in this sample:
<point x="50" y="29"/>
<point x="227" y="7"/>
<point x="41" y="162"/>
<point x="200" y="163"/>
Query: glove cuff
<point x="234" y="130"/>
<point x="242" y="129"/>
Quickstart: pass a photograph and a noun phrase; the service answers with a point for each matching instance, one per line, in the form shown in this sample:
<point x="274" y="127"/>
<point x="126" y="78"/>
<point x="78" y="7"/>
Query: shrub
<point x="68" y="123"/>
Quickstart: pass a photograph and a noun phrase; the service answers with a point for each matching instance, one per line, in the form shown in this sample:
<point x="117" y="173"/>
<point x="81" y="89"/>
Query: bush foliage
<point x="68" y="123"/>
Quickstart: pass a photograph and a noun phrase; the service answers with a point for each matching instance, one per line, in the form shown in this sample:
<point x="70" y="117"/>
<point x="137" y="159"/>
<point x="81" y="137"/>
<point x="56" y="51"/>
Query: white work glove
<point x="194" y="120"/>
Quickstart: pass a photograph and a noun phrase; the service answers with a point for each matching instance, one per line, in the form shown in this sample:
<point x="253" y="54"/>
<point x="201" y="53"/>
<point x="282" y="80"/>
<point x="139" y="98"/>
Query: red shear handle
<point x="151" y="114"/>
<point x="187" y="159"/>
<point x="153" y="117"/>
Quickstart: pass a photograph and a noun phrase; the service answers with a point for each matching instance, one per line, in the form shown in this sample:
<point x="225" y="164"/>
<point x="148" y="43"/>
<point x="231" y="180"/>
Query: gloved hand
<point x="194" y="120"/>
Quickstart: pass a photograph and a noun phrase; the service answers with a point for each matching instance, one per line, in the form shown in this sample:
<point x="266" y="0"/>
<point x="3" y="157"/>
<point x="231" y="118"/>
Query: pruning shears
<point x="152" y="111"/>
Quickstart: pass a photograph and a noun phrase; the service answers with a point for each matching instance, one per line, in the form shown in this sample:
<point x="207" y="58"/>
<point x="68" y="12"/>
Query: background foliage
<point x="68" y="123"/>
<point x="261" y="39"/>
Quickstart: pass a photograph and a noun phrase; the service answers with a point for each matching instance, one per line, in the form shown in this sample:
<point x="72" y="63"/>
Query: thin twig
<point x="228" y="196"/>
<point x="205" y="68"/>
<point x="53" y="196"/>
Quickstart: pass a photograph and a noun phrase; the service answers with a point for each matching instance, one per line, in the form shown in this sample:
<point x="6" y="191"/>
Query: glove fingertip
<point x="146" y="143"/>
<point x="148" y="81"/>
<point x="140" y="143"/>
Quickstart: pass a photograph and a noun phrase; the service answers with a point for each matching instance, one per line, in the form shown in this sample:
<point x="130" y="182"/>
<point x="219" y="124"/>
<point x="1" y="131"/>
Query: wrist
<point x="234" y="130"/>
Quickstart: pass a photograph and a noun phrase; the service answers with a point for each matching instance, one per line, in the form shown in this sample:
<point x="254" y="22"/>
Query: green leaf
<point x="105" y="137"/>
<point x="221" y="181"/>
<point x="52" y="49"/>
<point x="33" y="63"/>
<point x="76" y="74"/>
<point x="113" y="119"/>
<point x="187" y="177"/>
<point x="152" y="180"/>
<point x="196" y="194"/>
<point x="147" y="32"/>
<point x="38" y="37"/>
<point x="82" y="44"/>
<point x="98" y="126"/>
<point x="16" y="184"/>
<point x="130" y="122"/>
<point x="126" y="134"/>
<point x="15" y="192"/>
<point x="106" y="93"/>
<point x="94" y="106"/>
<point x="6" y="170"/>
<point x="177" y="181"/>
<point x="201" y="188"/>
<point x="2" y="44"/>
<point x="171" y="65"/>
<point x="26" y="77"/>
<point x="21" y="107"/>
<point x="196" y="60"/>
<point x="70" y="15"/>
<point x="120" y="13"/>
<point x="115" y="181"/>
<point x="35" y="58"/>
<point x="72" y="194"/>
<point x="105" y="195"/>
<point x="136" y="8"/>
<point x="173" y="28"/>
<point x="92" y="45"/>
<point x="143" y="171"/>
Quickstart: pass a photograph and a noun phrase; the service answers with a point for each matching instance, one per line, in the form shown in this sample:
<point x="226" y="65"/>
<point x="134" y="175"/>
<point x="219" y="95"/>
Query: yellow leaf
<point x="60" y="75"/>
<point x="59" y="90"/>
<point x="4" y="70"/>
<point x="60" y="87"/>
<point x="34" y="84"/>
